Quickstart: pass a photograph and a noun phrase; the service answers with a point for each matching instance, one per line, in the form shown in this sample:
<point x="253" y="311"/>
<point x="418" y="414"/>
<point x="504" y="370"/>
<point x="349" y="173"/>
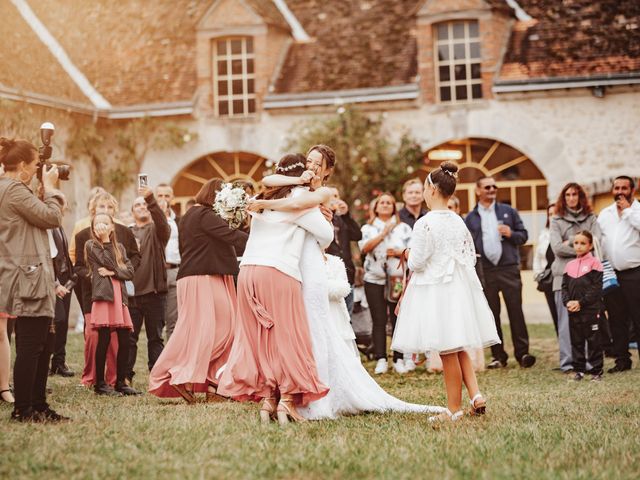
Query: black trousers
<point x="586" y="344"/>
<point x="31" y="367"/>
<point x="381" y="312"/>
<point x="506" y="279"/>
<point x="122" y="361"/>
<point x="148" y="309"/>
<point x="623" y="307"/>
<point x="62" y="328"/>
<point x="551" y="303"/>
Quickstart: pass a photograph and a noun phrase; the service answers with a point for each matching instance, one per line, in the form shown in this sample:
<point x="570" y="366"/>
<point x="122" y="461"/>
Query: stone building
<point x="535" y="92"/>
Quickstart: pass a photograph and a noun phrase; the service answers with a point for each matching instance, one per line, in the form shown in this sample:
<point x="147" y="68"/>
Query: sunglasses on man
<point x="490" y="187"/>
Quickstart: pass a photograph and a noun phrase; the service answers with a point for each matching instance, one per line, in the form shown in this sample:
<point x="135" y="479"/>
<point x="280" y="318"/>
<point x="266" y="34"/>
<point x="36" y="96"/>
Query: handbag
<point x="393" y="288"/>
<point x="545" y="280"/>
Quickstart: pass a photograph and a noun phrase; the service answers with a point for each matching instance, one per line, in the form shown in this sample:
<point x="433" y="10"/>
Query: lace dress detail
<point x="444" y="309"/>
<point x="351" y="388"/>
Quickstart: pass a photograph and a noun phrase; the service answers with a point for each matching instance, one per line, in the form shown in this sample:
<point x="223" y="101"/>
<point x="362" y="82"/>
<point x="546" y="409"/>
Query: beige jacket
<point x="27" y="284"/>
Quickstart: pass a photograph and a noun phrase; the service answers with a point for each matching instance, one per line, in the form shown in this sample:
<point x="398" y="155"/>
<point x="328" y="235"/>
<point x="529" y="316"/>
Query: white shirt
<point x="376" y="263"/>
<point x="491" y="239"/>
<point x="276" y="238"/>
<point x="621" y="235"/>
<point x="172" y="250"/>
<point x="540" y="255"/>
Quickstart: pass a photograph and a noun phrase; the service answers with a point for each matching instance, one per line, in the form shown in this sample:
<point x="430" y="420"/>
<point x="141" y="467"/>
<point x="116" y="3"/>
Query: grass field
<point x="539" y="425"/>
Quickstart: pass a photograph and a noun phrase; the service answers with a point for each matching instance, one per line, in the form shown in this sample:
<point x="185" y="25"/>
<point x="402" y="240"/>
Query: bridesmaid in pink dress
<point x="109" y="268"/>
<point x="200" y="344"/>
<point x="272" y="351"/>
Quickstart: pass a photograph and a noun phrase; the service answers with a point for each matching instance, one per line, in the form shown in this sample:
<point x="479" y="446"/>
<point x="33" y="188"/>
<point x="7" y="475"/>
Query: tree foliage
<point x="367" y="162"/>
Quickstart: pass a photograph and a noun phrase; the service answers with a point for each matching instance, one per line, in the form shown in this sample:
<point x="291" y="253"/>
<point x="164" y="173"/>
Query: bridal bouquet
<point x="230" y="204"/>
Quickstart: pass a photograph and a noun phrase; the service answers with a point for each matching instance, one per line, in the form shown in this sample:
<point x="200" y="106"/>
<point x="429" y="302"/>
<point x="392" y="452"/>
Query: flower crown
<point x="290" y="167"/>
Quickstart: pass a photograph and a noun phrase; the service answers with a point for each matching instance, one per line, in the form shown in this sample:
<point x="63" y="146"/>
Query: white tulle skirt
<point x="445" y="317"/>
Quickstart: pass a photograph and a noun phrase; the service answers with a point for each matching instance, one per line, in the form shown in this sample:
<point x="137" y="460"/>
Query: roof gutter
<point x="339" y="97"/>
<point x="559" y="83"/>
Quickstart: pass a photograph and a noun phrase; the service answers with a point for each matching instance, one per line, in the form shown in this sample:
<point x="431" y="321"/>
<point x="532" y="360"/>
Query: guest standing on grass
<point x="443" y="309"/>
<point x="201" y="341"/>
<point x="620" y="223"/>
<point x="109" y="268"/>
<point x="27" y="289"/>
<point x="573" y="213"/>
<point x="543" y="258"/>
<point x="152" y="233"/>
<point x="498" y="232"/>
<point x="582" y="297"/>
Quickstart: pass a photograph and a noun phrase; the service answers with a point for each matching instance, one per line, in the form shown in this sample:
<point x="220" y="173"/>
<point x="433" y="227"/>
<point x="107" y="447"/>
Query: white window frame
<point x="245" y="96"/>
<point x="467" y="61"/>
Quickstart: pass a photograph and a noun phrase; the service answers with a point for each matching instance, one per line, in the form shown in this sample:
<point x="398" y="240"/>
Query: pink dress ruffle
<point x="272" y="349"/>
<point x="202" y="339"/>
<point x="111" y="314"/>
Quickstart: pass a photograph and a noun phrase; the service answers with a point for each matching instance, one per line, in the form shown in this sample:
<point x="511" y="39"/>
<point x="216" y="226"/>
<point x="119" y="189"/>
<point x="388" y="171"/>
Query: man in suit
<point x="63" y="269"/>
<point x="498" y="232"/>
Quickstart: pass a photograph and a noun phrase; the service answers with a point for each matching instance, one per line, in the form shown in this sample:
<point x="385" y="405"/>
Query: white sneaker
<point x="409" y="365"/>
<point x="381" y="366"/>
<point x="399" y="367"/>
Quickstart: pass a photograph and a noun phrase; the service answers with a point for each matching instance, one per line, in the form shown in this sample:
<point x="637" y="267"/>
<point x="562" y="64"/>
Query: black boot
<point x="63" y="370"/>
<point x="125" y="389"/>
<point x="102" y="388"/>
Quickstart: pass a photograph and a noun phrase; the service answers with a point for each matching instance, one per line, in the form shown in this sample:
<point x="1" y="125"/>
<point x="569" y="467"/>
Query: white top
<point x="376" y="264"/>
<point x="172" y="250"/>
<point x="491" y="238"/>
<point x="621" y="235"/>
<point x="276" y="238"/>
<point x="440" y="241"/>
<point x="540" y="255"/>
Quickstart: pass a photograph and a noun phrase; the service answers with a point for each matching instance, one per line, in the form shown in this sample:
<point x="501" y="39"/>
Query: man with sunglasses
<point x="498" y="232"/>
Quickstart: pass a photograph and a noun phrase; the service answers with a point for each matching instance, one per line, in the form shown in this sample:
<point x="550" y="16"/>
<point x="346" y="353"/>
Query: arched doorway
<point x="230" y="166"/>
<point x="520" y="182"/>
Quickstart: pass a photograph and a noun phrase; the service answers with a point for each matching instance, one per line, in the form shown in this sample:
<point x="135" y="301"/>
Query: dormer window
<point x="234" y="77"/>
<point x="457" y="50"/>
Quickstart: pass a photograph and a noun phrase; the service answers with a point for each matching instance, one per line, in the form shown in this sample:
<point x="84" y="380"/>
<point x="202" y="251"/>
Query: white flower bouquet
<point x="230" y="204"/>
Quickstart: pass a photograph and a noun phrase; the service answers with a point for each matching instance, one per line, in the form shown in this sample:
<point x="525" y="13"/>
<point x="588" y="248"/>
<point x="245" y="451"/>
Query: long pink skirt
<point x="202" y="339"/>
<point x="272" y="348"/>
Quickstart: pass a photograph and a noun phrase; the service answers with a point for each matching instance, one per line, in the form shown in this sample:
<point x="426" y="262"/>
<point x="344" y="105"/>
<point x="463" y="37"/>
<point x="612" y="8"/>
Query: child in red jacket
<point x="582" y="295"/>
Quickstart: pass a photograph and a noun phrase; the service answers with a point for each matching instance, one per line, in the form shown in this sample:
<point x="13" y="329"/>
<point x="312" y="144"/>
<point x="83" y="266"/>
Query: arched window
<point x="234" y="77"/>
<point x="458" y="61"/>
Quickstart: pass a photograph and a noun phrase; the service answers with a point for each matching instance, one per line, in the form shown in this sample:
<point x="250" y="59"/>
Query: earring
<point x="22" y="179"/>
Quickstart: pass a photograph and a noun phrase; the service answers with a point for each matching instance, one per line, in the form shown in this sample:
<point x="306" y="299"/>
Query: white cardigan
<point x="276" y="239"/>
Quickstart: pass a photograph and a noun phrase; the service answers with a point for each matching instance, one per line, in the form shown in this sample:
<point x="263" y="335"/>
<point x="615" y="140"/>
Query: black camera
<point x="46" y="132"/>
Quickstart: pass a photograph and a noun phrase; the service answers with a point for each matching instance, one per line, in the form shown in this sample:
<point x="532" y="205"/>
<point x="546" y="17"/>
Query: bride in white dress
<point x="351" y="389"/>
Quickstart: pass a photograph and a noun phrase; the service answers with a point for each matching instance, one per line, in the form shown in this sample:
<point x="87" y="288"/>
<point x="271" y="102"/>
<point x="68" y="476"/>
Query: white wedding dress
<point x="351" y="388"/>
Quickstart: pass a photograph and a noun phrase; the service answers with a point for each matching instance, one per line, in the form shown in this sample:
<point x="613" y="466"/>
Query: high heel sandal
<point x="8" y="390"/>
<point x="446" y="416"/>
<point x="478" y="405"/>
<point x="268" y="409"/>
<point x="287" y="411"/>
<point x="212" y="395"/>
<point x="185" y="394"/>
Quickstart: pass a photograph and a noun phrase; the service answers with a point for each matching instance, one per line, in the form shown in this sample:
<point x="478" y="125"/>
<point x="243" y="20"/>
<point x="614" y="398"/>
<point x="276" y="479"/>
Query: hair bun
<point x="449" y="167"/>
<point x="6" y="143"/>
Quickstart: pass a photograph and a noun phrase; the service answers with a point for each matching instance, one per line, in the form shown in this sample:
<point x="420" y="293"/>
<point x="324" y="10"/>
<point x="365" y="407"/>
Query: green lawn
<point x="539" y="425"/>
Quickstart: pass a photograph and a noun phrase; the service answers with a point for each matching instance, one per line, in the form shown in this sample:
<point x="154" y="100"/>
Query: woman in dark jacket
<point x="26" y="273"/>
<point x="200" y="344"/>
<point x="109" y="268"/>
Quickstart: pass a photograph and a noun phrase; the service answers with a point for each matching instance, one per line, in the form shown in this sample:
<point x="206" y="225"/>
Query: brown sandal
<point x="185" y="394"/>
<point x="213" y="396"/>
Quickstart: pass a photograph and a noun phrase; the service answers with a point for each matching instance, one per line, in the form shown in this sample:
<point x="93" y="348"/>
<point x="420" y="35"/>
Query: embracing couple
<point x="287" y="350"/>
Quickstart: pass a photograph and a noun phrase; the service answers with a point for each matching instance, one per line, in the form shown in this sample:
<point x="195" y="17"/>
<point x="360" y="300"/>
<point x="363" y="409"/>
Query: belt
<point x="171" y="266"/>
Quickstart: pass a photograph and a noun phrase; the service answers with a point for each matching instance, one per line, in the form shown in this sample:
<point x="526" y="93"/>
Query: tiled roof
<point x="27" y="65"/>
<point x="574" y="38"/>
<point x="132" y="51"/>
<point x="269" y="12"/>
<point x="356" y="44"/>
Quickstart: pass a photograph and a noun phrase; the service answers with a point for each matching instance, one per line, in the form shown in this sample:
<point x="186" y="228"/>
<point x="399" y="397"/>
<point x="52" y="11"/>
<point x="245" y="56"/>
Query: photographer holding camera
<point x="26" y="272"/>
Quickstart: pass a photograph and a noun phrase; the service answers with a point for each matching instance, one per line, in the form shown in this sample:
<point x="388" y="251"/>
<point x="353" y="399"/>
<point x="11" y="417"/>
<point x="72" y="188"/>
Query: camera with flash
<point x="47" y="130"/>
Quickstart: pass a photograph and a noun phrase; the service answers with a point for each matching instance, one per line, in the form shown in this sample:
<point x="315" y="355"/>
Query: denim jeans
<point x="148" y="309"/>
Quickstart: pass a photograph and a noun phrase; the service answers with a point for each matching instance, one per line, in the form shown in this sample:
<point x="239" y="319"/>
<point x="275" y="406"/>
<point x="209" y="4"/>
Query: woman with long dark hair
<point x="26" y="273"/>
<point x="201" y="341"/>
<point x="573" y="213"/>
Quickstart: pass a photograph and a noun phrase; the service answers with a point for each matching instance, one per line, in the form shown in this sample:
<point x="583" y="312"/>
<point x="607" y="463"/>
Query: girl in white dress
<point x="444" y="309"/>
